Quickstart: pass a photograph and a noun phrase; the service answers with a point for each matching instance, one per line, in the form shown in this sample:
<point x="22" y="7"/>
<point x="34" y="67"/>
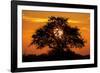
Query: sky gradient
<point x="33" y="20"/>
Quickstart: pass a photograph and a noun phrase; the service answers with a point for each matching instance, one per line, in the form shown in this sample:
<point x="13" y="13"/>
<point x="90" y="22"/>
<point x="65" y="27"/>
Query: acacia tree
<point x="58" y="35"/>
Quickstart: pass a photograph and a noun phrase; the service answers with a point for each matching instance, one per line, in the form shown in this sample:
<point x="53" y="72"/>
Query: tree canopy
<point x="58" y="35"/>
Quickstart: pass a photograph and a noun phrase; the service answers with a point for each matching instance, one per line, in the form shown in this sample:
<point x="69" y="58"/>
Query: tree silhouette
<point x="58" y="35"/>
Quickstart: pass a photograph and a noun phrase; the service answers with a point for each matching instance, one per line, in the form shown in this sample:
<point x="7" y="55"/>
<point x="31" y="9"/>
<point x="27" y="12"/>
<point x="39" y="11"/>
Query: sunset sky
<point x="33" y="20"/>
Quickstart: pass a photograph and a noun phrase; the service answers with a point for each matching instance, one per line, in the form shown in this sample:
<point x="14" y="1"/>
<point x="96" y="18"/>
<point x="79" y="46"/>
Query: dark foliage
<point x="57" y="34"/>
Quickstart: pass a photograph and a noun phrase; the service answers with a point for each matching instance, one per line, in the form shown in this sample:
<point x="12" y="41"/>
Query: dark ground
<point x="69" y="55"/>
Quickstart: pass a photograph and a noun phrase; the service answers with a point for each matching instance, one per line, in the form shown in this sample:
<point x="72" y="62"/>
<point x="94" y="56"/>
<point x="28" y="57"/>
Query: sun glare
<point x="58" y="32"/>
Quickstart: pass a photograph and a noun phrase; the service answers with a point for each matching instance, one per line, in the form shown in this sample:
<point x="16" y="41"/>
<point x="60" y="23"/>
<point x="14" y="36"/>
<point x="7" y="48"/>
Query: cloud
<point x="44" y="20"/>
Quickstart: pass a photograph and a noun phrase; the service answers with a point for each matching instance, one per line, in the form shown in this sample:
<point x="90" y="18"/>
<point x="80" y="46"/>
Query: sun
<point x="58" y="32"/>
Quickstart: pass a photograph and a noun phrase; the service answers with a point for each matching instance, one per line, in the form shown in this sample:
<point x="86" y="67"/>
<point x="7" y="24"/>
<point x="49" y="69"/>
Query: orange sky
<point x="33" y="20"/>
